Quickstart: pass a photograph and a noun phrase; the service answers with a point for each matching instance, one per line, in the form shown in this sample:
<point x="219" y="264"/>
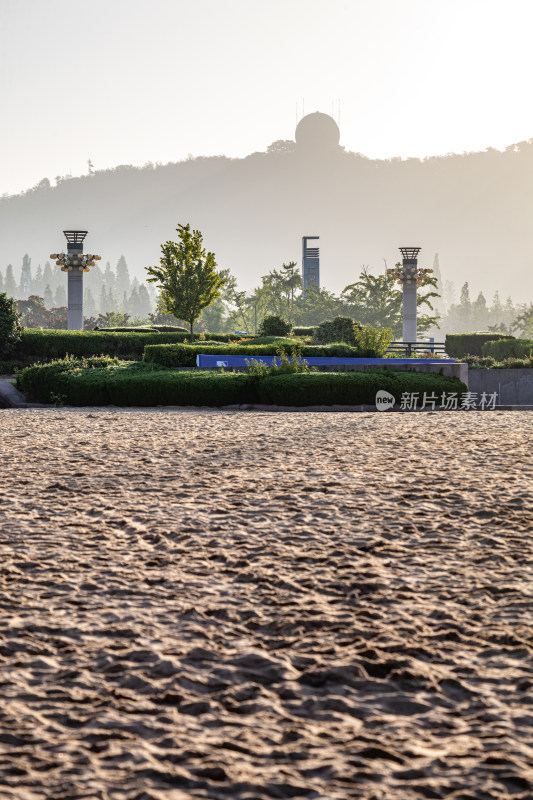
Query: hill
<point x="473" y="209"/>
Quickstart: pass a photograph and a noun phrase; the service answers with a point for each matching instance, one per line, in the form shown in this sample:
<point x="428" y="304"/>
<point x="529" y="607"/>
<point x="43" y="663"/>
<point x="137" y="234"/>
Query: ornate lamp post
<point x="75" y="263"/>
<point x="410" y="277"/>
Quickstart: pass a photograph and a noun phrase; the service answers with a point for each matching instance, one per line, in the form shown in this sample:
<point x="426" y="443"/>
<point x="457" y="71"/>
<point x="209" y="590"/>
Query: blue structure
<point x="214" y="361"/>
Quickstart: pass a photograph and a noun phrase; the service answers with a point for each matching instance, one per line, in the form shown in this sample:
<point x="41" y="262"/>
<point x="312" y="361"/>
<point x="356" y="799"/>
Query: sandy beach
<point x="210" y="604"/>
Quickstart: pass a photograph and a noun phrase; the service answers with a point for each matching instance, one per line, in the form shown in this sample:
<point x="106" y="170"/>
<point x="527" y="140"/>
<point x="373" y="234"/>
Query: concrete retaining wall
<point x="514" y="386"/>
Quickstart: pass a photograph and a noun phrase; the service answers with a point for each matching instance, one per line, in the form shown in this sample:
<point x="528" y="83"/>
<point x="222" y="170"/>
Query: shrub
<point x="10" y="327"/>
<point x="274" y="340"/>
<point x="517" y="363"/>
<point x="299" y="331"/>
<point x="459" y="345"/>
<point x="36" y="345"/>
<point x="86" y="382"/>
<point x="340" y="329"/>
<point x="274" y="325"/>
<point x="285" y="367"/>
<point x="373" y="339"/>
<point x="100" y="382"/>
<point x="508" y="348"/>
<point x="350" y="388"/>
<point x="480" y="362"/>
<point x="184" y="355"/>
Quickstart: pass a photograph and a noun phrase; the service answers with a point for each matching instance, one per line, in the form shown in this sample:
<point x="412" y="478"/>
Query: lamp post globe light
<point x="75" y="263"/>
<point x="410" y="276"/>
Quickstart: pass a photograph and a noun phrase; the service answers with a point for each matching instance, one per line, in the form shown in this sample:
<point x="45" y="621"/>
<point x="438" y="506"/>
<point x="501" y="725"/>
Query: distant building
<point x="317" y="131"/>
<point x="310" y="263"/>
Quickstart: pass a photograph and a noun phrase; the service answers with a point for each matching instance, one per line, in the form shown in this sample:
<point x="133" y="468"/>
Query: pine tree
<point x="1" y="282"/>
<point x="89" y="306"/>
<point x="479" y="313"/>
<point x="38" y="284"/>
<point x="109" y="278"/>
<point x="60" y="297"/>
<point x="10" y="285"/>
<point x="96" y="279"/>
<point x="48" y="297"/>
<point x="48" y="276"/>
<point x="103" y="303"/>
<point x="26" y="282"/>
<point x="133" y="303"/>
<point x="145" y="306"/>
<point x="112" y="300"/>
<point x="123" y="284"/>
<point x="440" y="306"/>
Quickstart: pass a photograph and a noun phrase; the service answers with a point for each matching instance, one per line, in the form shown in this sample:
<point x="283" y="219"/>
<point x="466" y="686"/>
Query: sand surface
<point x="249" y="606"/>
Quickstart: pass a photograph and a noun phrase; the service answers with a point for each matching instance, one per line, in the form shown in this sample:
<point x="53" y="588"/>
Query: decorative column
<point x="408" y="274"/>
<point x="75" y="263"/>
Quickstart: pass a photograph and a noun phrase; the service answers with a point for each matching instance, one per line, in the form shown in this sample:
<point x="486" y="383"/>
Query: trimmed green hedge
<point x="184" y="355"/>
<point x="37" y="344"/>
<point x="508" y="348"/>
<point x="101" y="382"/>
<point x="144" y="329"/>
<point x="303" y="331"/>
<point x="351" y="388"/>
<point x="105" y="381"/>
<point x="459" y="345"/>
<point x="278" y="341"/>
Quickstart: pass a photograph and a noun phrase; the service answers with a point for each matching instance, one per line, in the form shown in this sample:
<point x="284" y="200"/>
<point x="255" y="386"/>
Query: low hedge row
<point x="351" y="388"/>
<point x="301" y="331"/>
<point x="184" y="355"/>
<point x="37" y="344"/>
<point x="101" y="382"/>
<point x="508" y="348"/>
<point x="459" y="345"/>
<point x="487" y="362"/>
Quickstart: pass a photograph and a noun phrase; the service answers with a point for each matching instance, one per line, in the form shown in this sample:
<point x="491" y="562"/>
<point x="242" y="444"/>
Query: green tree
<point x="315" y="306"/>
<point x="60" y="297"/>
<point x="113" y="319"/>
<point x="10" y="327"/>
<point x="144" y="302"/>
<point x="216" y="317"/>
<point x="34" y="313"/>
<point x="10" y="285"/>
<point x="378" y="301"/>
<point x="123" y="280"/>
<point x="188" y="280"/>
<point x="523" y="323"/>
<point x="375" y="300"/>
<point x="89" y="306"/>
<point x="48" y="297"/>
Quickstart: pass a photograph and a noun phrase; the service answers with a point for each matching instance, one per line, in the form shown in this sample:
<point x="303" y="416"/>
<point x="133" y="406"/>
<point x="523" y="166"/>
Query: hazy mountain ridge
<point x="472" y="208"/>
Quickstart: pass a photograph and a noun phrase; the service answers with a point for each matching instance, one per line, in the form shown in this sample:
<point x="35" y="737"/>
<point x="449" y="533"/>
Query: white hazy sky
<point x="132" y="81"/>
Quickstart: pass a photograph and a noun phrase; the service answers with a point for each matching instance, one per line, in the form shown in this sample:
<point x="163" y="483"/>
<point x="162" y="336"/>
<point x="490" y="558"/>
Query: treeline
<point x="112" y="299"/>
<point x="105" y="290"/>
<point x="371" y="299"/>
